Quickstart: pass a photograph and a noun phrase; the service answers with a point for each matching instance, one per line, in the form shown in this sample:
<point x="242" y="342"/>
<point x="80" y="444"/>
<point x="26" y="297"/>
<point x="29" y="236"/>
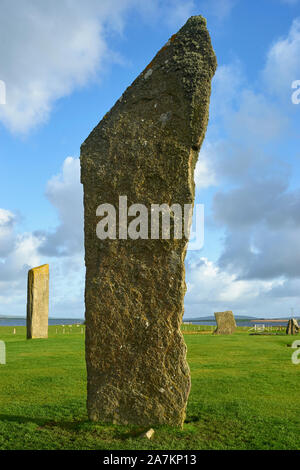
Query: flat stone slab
<point x="38" y="302"/>
<point x="225" y="323"/>
<point x="145" y="149"/>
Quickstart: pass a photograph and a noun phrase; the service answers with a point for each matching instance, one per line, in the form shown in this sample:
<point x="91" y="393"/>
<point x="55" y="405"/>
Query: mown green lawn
<point x="245" y="395"/>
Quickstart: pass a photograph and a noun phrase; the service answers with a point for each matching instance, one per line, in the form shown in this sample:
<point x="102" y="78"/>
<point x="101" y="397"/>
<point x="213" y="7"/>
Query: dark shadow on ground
<point x="83" y="425"/>
<point x="43" y="422"/>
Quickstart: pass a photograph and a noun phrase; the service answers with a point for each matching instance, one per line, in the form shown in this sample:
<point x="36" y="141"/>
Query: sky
<point x="65" y="63"/>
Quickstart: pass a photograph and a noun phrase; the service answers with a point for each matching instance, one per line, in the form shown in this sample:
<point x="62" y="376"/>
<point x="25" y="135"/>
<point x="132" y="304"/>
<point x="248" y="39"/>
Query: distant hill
<point x="240" y="318"/>
<point x="13" y="317"/>
<point x="212" y="318"/>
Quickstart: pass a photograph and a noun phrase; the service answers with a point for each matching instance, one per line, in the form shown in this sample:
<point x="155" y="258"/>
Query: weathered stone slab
<point x="38" y="302"/>
<point x="146" y="149"/>
<point x="225" y="323"/>
<point x="292" y="327"/>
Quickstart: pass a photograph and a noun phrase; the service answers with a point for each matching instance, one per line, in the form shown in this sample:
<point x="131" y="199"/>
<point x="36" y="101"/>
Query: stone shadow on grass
<point x="83" y="425"/>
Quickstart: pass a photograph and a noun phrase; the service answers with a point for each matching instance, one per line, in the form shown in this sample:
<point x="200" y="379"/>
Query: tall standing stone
<point x="225" y="323"/>
<point x="38" y="302"/>
<point x="145" y="148"/>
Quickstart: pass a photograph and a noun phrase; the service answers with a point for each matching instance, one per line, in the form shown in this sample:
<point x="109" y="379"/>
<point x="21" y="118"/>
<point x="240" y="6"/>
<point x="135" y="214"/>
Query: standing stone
<point x="292" y="327"/>
<point x="225" y="323"/>
<point x="145" y="148"/>
<point x="38" y="302"/>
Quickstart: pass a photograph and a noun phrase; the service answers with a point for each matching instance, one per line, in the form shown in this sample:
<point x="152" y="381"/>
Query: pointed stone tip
<point x="193" y="22"/>
<point x="197" y="19"/>
<point x="188" y="55"/>
<point x="43" y="266"/>
<point x="193" y="38"/>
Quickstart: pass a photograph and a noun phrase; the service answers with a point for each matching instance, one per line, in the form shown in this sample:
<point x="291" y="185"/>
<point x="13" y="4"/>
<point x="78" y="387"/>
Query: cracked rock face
<point x="38" y="302"/>
<point x="145" y="148"/>
<point x="225" y="323"/>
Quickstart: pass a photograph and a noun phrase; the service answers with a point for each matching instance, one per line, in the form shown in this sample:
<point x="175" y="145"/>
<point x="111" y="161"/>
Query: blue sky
<point x="65" y="64"/>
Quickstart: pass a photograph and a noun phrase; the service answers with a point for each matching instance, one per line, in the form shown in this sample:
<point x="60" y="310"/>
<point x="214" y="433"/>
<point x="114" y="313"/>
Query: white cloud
<point x="62" y="249"/>
<point x="48" y="49"/>
<point x="219" y="285"/>
<point x="257" y="118"/>
<point x="16" y="250"/>
<point x="204" y="172"/>
<point x="19" y="252"/>
<point x="226" y="85"/>
<point x="257" y="211"/>
<point x="283" y="63"/>
<point x="24" y="255"/>
<point x="211" y="289"/>
<point x="65" y="193"/>
<point x="7" y="222"/>
<point x="67" y="277"/>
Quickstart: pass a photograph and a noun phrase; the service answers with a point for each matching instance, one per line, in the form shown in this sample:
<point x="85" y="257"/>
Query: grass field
<point x="245" y="395"/>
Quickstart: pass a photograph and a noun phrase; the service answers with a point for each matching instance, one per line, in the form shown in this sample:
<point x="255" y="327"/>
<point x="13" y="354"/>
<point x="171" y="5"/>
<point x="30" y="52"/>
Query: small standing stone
<point x="292" y="327"/>
<point x="225" y="323"/>
<point x="38" y="302"/>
